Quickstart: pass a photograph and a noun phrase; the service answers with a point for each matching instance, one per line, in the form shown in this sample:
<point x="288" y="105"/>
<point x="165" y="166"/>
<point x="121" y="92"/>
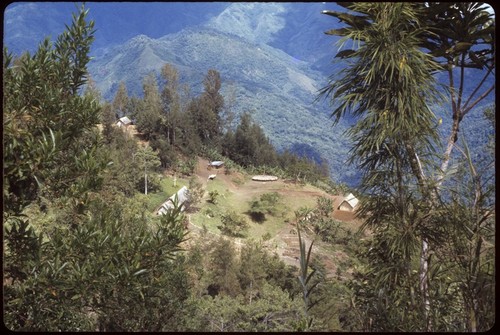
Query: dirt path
<point x="202" y="172"/>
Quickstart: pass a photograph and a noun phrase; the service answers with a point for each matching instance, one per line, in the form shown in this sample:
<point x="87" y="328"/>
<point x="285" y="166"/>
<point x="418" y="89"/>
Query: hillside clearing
<point x="277" y="232"/>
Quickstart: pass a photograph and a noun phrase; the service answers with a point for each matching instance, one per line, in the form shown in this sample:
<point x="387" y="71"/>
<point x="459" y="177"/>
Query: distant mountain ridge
<point x="273" y="56"/>
<point x="27" y="23"/>
<point x="251" y="21"/>
<point x="278" y="89"/>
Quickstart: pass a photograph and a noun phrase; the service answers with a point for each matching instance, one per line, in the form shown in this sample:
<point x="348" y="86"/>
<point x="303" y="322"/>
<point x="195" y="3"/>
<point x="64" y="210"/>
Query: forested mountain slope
<point x="277" y="89"/>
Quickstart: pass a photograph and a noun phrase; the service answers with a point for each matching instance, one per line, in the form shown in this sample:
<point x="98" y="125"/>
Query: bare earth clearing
<point x="284" y="242"/>
<point x="238" y="189"/>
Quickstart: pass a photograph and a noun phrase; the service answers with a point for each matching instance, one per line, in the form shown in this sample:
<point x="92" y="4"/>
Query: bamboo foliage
<point x="388" y="88"/>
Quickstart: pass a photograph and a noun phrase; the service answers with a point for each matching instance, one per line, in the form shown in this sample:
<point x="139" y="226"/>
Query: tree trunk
<point x="424" y="282"/>
<point x="431" y="196"/>
<point x="449" y="148"/>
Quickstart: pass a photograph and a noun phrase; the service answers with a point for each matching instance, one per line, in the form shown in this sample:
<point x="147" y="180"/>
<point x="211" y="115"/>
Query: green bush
<point x="266" y="237"/>
<point x="212" y="197"/>
<point x="187" y="167"/>
<point x="107" y="273"/>
<point x="234" y="224"/>
<point x="266" y="204"/>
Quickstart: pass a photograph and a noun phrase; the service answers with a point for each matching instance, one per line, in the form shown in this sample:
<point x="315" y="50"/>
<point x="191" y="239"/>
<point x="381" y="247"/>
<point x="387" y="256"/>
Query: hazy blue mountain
<point x="272" y="56"/>
<point x="296" y="28"/>
<point x="27" y="23"/>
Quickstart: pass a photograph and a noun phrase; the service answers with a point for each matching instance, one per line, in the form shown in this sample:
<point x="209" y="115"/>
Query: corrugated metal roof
<point x="182" y="196"/>
<point x="216" y="163"/>
<point x="125" y="120"/>
<point x="351" y="200"/>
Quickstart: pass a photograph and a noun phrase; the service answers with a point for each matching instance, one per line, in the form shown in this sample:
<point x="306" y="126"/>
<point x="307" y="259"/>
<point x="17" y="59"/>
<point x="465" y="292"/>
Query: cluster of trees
<point x="134" y="167"/>
<point x="249" y="147"/>
<point x="173" y="124"/>
<point x="252" y="290"/>
<point x="82" y="252"/>
<point x="430" y="264"/>
<point x="176" y="125"/>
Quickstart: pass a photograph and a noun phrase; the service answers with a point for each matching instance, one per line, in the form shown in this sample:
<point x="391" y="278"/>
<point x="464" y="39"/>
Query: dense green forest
<point x="83" y="250"/>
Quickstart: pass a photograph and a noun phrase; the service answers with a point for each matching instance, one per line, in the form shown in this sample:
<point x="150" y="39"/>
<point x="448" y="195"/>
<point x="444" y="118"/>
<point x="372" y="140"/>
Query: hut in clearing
<point x="124" y="122"/>
<point x="182" y="196"/>
<point x="349" y="203"/>
<point x="215" y="164"/>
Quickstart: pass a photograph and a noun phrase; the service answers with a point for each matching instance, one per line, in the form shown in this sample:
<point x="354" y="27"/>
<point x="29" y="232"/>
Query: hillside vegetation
<point x="257" y="240"/>
<point x="80" y="209"/>
<point x="287" y="57"/>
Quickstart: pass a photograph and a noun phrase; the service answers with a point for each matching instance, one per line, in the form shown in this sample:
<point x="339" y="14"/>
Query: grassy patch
<point x="238" y="180"/>
<point x="272" y="225"/>
<point x="238" y="198"/>
<point x="210" y="214"/>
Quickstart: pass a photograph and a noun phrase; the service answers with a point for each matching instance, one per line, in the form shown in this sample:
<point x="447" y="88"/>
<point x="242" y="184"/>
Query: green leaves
<point x="266" y="204"/>
<point x="45" y="117"/>
<point x="355" y="21"/>
<point x="123" y="269"/>
<point x="305" y="277"/>
<point x="137" y="273"/>
<point x="459" y="47"/>
<point x="233" y="224"/>
<point x="98" y="257"/>
<point x="345" y="54"/>
<point x="388" y="86"/>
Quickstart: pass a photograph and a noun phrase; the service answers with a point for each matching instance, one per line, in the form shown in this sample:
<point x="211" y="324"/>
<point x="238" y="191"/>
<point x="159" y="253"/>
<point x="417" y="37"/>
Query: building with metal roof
<point x="182" y="197"/>
<point x="349" y="203"/>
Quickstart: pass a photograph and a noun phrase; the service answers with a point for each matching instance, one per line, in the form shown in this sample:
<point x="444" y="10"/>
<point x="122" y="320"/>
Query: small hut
<point x="215" y="164"/>
<point x="124" y="122"/>
<point x="349" y="203"/>
<point x="182" y="196"/>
